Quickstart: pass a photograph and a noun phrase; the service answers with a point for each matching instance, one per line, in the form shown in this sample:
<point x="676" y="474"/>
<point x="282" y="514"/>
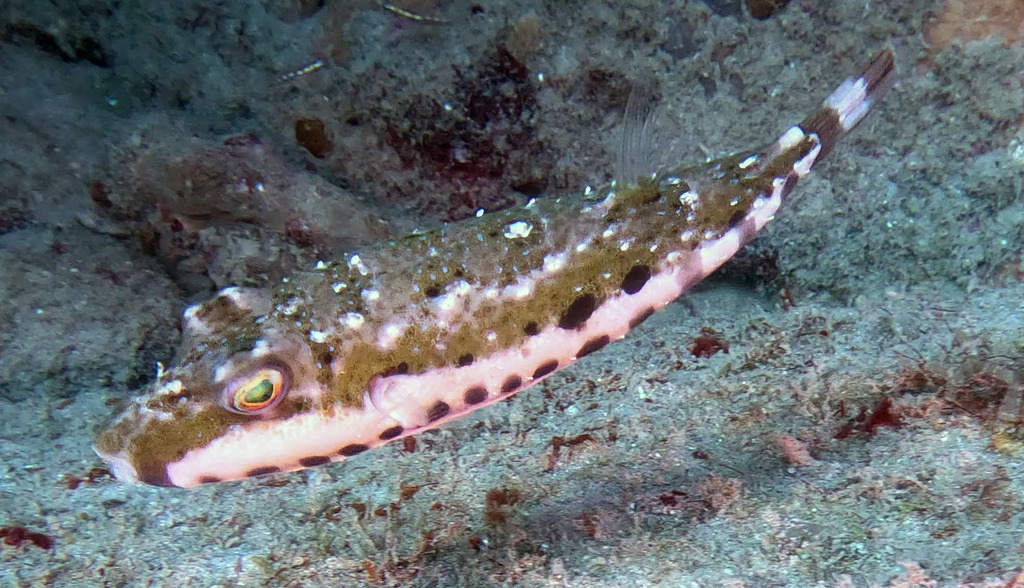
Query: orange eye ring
<point x="257" y="391"/>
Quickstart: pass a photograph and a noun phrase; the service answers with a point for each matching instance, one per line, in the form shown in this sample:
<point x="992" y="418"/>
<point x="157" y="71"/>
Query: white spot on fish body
<point x="291" y="307"/>
<point x="234" y="294"/>
<point x="554" y="262"/>
<point x="338" y="287"/>
<point x="446" y="306"/>
<point x="803" y="166"/>
<point x="357" y="264"/>
<point x="370" y="295"/>
<point x="260" y="348"/>
<point x="352" y="320"/>
<point x="174" y="387"/>
<point x="608" y="201"/>
<point x="390" y="334"/>
<point x="790" y="138"/>
<point x="518" y="230"/>
<point x="317" y="336"/>
<point x="521" y="290"/>
<point x="193" y="323"/>
<point x="748" y="162"/>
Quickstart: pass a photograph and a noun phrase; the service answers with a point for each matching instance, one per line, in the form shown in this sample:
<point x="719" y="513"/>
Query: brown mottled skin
<point x="332" y="331"/>
<point x="651" y="214"/>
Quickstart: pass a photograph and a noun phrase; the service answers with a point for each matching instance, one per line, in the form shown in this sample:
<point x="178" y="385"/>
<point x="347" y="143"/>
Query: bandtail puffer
<point x="410" y="333"/>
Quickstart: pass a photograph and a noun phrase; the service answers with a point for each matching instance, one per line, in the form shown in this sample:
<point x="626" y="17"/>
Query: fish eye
<point x="256" y="391"/>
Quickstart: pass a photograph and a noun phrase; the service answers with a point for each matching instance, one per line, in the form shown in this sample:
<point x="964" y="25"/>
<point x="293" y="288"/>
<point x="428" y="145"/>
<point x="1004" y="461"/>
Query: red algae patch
<point x="16" y="536"/>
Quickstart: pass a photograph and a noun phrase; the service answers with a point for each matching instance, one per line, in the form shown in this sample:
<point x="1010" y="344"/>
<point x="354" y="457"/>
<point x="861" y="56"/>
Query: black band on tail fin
<point x="826" y="125"/>
<point x="848" y="104"/>
<point x="880" y="74"/>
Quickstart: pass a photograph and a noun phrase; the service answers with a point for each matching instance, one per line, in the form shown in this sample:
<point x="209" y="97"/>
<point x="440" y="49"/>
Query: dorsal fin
<point x="636" y="159"/>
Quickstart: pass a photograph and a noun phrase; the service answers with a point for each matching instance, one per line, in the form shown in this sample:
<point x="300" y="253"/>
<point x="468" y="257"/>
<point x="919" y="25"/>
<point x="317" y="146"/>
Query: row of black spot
<point x="440" y="409"/>
<point x="573" y="318"/>
<point x="472" y="395"/>
<point x="307" y="462"/>
<point x="311" y="461"/>
<point x="580" y="310"/>
<point x="476" y="394"/>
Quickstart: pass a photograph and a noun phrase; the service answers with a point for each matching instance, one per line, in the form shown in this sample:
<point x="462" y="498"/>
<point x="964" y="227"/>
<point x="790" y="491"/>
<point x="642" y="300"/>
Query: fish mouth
<point x="118" y="465"/>
<point x="116" y="446"/>
<point x="110" y="445"/>
<point x="126" y="471"/>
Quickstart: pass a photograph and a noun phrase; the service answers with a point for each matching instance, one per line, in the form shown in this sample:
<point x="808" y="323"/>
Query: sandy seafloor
<point x="902" y="257"/>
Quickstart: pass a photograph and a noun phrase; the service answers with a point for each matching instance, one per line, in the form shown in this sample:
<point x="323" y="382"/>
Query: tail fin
<point x="848" y="104"/>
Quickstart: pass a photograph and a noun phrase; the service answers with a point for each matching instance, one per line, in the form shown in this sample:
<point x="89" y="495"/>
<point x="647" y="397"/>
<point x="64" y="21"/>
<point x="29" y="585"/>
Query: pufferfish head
<point x="235" y="372"/>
